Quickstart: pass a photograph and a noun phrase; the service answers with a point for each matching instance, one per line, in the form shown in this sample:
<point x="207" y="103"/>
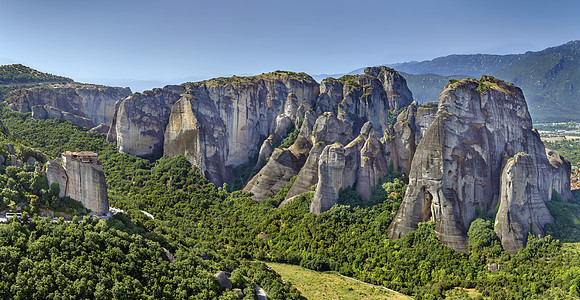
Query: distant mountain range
<point x="549" y="78"/>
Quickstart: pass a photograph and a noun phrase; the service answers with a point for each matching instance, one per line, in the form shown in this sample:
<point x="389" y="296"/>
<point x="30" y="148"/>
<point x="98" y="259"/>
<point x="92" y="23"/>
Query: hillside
<point x="329" y="285"/>
<point x="550" y="79"/>
<point x="20" y="74"/>
<point x="426" y="87"/>
<point x="474" y="65"/>
<point x="15" y="77"/>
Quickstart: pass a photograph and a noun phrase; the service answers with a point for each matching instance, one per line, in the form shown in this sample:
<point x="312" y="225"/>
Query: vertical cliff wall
<point x="458" y="163"/>
<point x="344" y="107"/>
<point x="80" y="179"/>
<point x="218" y="124"/>
<point x="85" y="105"/>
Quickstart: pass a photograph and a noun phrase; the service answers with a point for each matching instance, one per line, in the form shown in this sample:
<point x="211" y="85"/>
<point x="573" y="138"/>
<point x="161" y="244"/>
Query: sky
<point x="149" y="42"/>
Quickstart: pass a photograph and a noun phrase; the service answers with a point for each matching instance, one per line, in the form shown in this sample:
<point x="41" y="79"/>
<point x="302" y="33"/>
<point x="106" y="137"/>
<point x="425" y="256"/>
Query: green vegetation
<point x="347" y="79"/>
<point x="569" y="149"/>
<point x="572" y="126"/>
<point x="196" y="220"/>
<point x="224" y="81"/>
<point x="113" y="259"/>
<point x="19" y="74"/>
<point x="329" y="285"/>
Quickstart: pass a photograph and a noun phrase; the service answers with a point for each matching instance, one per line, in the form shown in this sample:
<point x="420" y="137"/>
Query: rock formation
<point x="360" y="165"/>
<point x="217" y="124"/>
<point x="331" y="164"/>
<point x="343" y="107"/>
<point x="85" y="105"/>
<point x="81" y="177"/>
<point x="458" y="163"/>
<point x="139" y="122"/>
<point x="521" y="206"/>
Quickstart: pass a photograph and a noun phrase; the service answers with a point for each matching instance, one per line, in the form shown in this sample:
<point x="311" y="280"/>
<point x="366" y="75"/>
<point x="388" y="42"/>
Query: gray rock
<point x="15" y="161"/>
<point x="330" y="169"/>
<point x="282" y="165"/>
<point x="167" y="256"/>
<point x="521" y="207"/>
<point x="223" y="279"/>
<point x="10" y="148"/>
<point x="458" y="163"/>
<point x="82" y="104"/>
<point x="139" y="122"/>
<point x="31" y="161"/>
<point x="219" y="123"/>
<point x="101" y="128"/>
<point x="81" y="177"/>
<point x="38" y="112"/>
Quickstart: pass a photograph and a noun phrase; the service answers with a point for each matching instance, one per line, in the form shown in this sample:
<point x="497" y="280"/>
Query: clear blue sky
<point x="172" y="39"/>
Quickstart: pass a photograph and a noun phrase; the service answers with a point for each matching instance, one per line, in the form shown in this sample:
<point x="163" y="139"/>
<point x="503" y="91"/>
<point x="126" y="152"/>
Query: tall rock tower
<point x="81" y="177"/>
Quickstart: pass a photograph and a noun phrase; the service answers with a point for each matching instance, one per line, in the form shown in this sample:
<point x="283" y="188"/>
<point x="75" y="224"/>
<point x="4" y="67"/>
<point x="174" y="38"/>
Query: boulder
<point x="223" y="279"/>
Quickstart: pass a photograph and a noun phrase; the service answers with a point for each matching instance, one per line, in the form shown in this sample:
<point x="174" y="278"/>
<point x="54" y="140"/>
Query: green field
<point x="329" y="285"/>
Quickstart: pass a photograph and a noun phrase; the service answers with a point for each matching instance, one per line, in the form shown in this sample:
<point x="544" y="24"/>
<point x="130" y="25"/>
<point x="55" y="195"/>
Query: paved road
<point x="260" y="293"/>
<point x="148" y="214"/>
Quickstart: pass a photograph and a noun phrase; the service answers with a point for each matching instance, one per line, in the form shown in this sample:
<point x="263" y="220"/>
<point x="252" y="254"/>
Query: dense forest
<point x="210" y="229"/>
<point x="20" y="74"/>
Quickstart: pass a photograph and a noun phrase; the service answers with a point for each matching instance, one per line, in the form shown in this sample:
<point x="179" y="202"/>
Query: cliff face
<point x="218" y="124"/>
<point x="331" y="164"/>
<point x="345" y="107"/>
<point x="458" y="163"/>
<point x="521" y="207"/>
<point x="84" y="105"/>
<point x="139" y="122"/>
<point x="82" y="181"/>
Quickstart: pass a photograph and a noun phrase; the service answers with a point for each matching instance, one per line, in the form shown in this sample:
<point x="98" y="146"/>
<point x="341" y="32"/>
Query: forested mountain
<point x="549" y="78"/>
<point x="14" y="77"/>
<point x="20" y="74"/>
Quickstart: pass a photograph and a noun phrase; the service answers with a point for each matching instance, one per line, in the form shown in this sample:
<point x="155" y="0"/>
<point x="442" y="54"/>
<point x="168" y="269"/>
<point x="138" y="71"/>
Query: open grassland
<point x="328" y="285"/>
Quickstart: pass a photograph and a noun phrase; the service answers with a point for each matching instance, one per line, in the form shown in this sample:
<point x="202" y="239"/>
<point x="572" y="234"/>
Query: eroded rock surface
<point x="85" y="105"/>
<point x="521" y="206"/>
<point x="331" y="164"/>
<point x="218" y="124"/>
<point x="81" y="177"/>
<point x="459" y="161"/>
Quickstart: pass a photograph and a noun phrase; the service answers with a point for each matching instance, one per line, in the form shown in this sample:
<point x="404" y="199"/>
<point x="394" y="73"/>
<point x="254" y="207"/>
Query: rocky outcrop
<point x="327" y="130"/>
<point x="344" y="107"/>
<point x="402" y="139"/>
<point x="282" y="165"/>
<point x="331" y="164"/>
<point x="223" y="279"/>
<point x="218" y="124"/>
<point x="84" y="105"/>
<point x="139" y="122"/>
<point x="560" y="173"/>
<point x="394" y="85"/>
<point x="81" y="177"/>
<point x="521" y="206"/>
<point x="359" y="165"/>
<point x="458" y="163"/>
<point x="373" y="165"/>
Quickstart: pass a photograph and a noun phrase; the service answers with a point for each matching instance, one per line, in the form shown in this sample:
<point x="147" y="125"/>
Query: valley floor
<point x="329" y="285"/>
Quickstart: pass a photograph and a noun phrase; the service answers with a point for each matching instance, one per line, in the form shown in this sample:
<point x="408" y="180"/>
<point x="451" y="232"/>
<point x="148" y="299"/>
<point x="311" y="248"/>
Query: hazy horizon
<point x="153" y="42"/>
